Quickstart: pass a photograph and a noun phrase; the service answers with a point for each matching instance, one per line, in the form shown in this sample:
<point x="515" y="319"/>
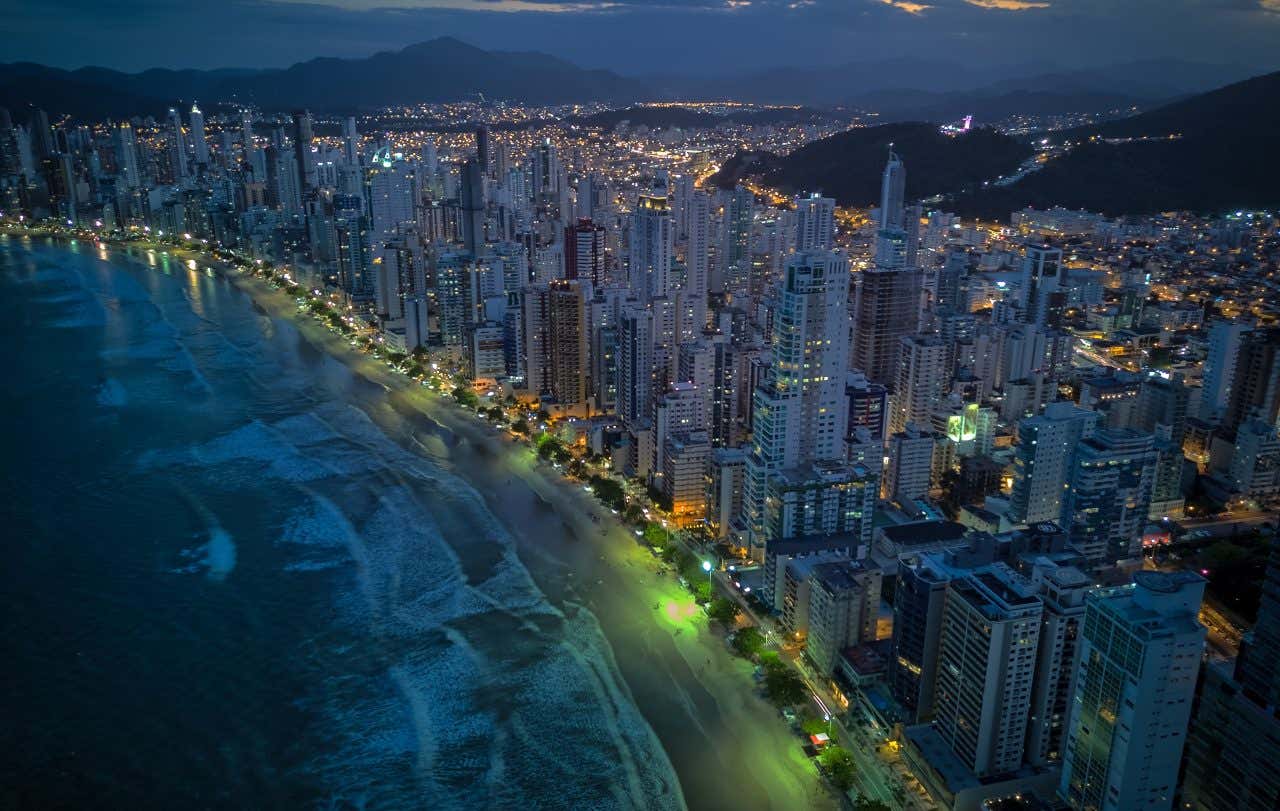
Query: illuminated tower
<point x="197" y="136"/>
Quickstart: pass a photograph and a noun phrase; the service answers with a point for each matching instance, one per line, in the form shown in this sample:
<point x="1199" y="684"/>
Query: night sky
<point x="646" y="36"/>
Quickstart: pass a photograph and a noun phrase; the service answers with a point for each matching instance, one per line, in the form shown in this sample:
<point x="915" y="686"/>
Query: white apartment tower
<point x="1139" y="660"/>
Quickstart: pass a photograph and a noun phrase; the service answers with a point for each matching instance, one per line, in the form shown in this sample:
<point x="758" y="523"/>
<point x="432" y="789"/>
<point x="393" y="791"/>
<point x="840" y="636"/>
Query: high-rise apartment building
<point x="1042" y="461"/>
<point x="652" y="243"/>
<point x="986" y="669"/>
<point x="1139" y="659"/>
<point x="921" y="382"/>
<point x="815" y="223"/>
<point x="1108" y="494"/>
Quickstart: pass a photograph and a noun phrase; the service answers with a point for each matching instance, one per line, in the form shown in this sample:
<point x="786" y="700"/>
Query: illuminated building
<point x="1139" y="659"/>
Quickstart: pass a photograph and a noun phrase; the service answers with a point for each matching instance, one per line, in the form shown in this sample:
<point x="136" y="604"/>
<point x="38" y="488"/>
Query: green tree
<point x="838" y="765"/>
<point x="608" y="491"/>
<point x="865" y="804"/>
<point x="466" y="397"/>
<point x="521" y="426"/>
<point x="656" y="535"/>
<point x="495" y="414"/>
<point x="702" y="591"/>
<point x="748" y="641"/>
<point x="784" y="686"/>
<point x="722" y="609"/>
<point x="813" y="726"/>
<point x="552" y="449"/>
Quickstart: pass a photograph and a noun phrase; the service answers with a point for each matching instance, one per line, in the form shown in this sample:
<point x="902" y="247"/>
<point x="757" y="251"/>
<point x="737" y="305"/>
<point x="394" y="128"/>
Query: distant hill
<point x="1223" y="159"/>
<point x="848" y="165"/>
<point x="850" y="83"/>
<point x="686" y="118"/>
<point x="988" y="105"/>
<point x="440" y="70"/>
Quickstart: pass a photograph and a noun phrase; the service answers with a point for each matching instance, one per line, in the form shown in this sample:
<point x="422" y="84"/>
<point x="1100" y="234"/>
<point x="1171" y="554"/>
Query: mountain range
<point x="848" y="165"/>
<point x="1214" y="151"/>
<point x="435" y="71"/>
<point x="1221" y="156"/>
<point x="446" y="69"/>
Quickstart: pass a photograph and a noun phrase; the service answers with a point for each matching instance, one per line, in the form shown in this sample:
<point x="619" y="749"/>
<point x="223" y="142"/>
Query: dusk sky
<point x="645" y="36"/>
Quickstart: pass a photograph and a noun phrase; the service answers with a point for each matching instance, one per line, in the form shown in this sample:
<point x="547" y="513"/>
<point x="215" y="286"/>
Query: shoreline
<point x="686" y="685"/>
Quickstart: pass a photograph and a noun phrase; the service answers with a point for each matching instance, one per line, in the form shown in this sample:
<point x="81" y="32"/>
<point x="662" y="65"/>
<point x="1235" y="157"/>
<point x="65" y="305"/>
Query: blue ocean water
<point x="228" y="583"/>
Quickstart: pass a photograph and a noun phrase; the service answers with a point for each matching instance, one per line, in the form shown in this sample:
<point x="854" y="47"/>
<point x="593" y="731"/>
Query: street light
<point x="706" y="567"/>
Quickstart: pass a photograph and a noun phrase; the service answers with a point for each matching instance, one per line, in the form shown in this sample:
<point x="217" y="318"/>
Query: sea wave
<point x="477" y="690"/>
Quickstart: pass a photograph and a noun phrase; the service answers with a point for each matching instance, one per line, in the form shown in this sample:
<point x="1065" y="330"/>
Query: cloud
<point x="907" y="6"/>
<point x="1008" y="5"/>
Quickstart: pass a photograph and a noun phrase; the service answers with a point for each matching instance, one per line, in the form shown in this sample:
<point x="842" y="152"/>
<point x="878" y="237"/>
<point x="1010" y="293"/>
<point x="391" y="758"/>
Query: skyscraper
<point x="177" y="147"/>
<point x="918" y="602"/>
<point x="1043" y="298"/>
<point x="987" y="660"/>
<point x="652" y="242"/>
<point x="891" y="237"/>
<point x="471" y="200"/>
<point x="482" y="148"/>
<point x="922" y="380"/>
<point x="389" y="183"/>
<point x="799" y="411"/>
<point x="127" y="156"/>
<point x="302" y="154"/>
<point x="635" y="365"/>
<point x="1042" y="461"/>
<point x="886" y="309"/>
<point x="1220" y="367"/>
<point x="815" y="223"/>
<point x="1139" y="657"/>
<point x="570" y="360"/>
<point x="246" y="134"/>
<point x="351" y="142"/>
<point x="693" y="309"/>
<point x="734" y="259"/>
<point x="584" y="252"/>
<point x="1255" y="384"/>
<point x="1109" y="494"/>
<point x="198" y="137"/>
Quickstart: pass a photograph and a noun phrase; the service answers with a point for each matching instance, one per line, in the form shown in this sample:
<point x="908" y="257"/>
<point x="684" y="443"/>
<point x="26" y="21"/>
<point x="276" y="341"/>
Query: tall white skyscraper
<point x="390" y="184"/>
<point x="197" y="136"/>
<point x="127" y="156"/>
<point x="1220" y="366"/>
<point x="652" y="242"/>
<point x="693" y="310"/>
<point x="892" y="238"/>
<point x="177" y="146"/>
<point x="800" y="409"/>
<point x="815" y="223"/>
<point x="1134" y="687"/>
<point x="893" y="183"/>
<point x="986" y="663"/>
<point x="350" y="142"/>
